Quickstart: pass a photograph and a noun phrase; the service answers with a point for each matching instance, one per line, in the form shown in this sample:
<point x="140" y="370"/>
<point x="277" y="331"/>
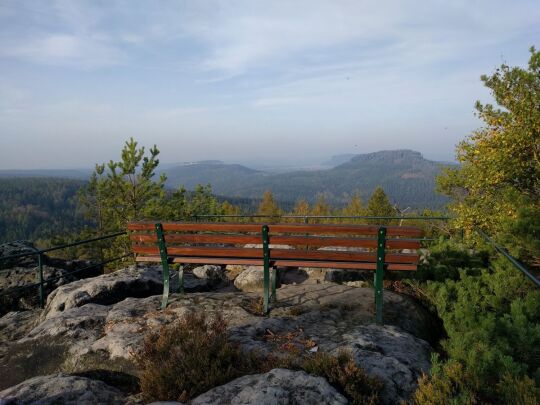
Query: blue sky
<point x="256" y="82"/>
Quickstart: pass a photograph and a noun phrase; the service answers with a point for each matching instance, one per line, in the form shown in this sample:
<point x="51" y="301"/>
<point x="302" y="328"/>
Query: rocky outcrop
<point x="278" y="386"/>
<point x="94" y="336"/>
<point x="22" y="272"/>
<point x="15" y="248"/>
<point x="105" y="290"/>
<point x="133" y="281"/>
<point x="61" y="389"/>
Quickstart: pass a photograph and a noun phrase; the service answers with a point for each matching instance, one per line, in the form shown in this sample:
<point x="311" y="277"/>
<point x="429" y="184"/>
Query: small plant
<point x="190" y="357"/>
<point x="194" y="354"/>
<point x="342" y="372"/>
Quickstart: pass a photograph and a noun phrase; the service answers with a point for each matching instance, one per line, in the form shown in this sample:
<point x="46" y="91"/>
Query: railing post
<point x="266" y="275"/>
<point x="40" y="280"/>
<point x="379" y="274"/>
<point x="164" y="263"/>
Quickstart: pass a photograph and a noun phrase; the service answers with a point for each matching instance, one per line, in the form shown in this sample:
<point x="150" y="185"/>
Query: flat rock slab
<point x="278" y="386"/>
<point x="61" y="389"/>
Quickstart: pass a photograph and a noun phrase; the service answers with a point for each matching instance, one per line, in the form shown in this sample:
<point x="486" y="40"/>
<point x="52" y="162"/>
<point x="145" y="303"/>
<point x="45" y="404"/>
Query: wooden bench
<point x="359" y="247"/>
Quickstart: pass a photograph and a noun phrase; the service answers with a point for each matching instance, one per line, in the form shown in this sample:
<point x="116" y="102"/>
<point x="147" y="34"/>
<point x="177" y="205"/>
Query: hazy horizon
<point x="249" y="82"/>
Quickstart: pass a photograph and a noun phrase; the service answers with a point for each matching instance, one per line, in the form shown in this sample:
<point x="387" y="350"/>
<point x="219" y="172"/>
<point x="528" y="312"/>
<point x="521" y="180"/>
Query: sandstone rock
<point x="15" y="325"/>
<point x="397" y="357"/>
<point x="328" y="275"/>
<point x="358" y="284"/>
<point x="278" y="386"/>
<point x="93" y="336"/>
<point x="214" y="274"/>
<point x="252" y="279"/>
<point x="233" y="270"/>
<point x="15" y="248"/>
<point x="21" y="272"/>
<point x="106" y="289"/>
<point x="61" y="389"/>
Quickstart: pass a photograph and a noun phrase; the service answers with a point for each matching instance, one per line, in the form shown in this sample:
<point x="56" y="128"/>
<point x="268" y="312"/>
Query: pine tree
<point x="379" y="206"/>
<point x="355" y="208"/>
<point x="122" y="191"/>
<point x="321" y="208"/>
<point x="269" y="207"/>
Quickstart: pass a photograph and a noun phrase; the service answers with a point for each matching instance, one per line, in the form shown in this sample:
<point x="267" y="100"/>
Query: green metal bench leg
<point x="266" y="274"/>
<point x="379" y="275"/>
<point x="164" y="263"/>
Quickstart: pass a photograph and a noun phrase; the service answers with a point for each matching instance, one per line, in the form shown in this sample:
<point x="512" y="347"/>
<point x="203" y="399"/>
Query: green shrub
<point x="492" y="323"/>
<point x="447" y="257"/>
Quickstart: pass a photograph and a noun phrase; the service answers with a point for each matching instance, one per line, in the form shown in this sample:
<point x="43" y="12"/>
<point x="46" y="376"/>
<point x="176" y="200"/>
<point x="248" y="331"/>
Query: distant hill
<point x="405" y="175"/>
<point x="337" y="160"/>
<point x="61" y="173"/>
<point x="220" y="175"/>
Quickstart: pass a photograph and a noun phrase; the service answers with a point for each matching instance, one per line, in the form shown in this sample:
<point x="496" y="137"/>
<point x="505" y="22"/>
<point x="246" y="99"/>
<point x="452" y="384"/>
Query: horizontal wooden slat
<point x="279" y="228"/>
<point x="280" y="263"/>
<point x="344" y="229"/>
<point x="277" y="240"/>
<point x="211" y="226"/>
<point x="171" y="238"/>
<point x="276" y="254"/>
<point x="140" y="226"/>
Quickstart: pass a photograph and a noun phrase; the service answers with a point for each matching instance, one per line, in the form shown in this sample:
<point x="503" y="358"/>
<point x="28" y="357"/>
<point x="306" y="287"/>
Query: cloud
<point x="61" y="49"/>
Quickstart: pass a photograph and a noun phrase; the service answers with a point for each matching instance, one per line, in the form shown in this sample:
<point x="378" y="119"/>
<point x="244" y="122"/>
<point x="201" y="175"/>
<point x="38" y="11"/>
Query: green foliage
<point x="492" y="320"/>
<point x="500" y="163"/>
<point x="321" y="208"/>
<point x="39" y="208"/>
<point x="379" y="206"/>
<point x="447" y="258"/>
<point x="123" y="191"/>
<point x="269" y="207"/>
<point x="492" y="314"/>
<point x="354" y="207"/>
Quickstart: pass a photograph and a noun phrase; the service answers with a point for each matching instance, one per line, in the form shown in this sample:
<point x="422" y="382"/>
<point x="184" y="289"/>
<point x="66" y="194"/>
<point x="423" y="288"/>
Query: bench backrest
<point x="293" y="245"/>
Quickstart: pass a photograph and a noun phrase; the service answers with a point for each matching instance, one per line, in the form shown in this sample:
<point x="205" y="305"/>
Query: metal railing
<point x="511" y="259"/>
<point x="40" y="281"/>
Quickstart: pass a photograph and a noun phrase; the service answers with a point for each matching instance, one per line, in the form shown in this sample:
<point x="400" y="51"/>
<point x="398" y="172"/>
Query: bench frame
<point x="270" y="271"/>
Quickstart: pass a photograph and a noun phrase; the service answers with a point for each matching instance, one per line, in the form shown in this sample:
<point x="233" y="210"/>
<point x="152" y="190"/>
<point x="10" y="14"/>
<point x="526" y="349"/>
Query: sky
<point x="252" y="82"/>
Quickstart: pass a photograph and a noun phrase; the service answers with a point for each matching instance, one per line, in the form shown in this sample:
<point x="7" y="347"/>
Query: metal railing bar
<point x="320" y="217"/>
<point x="64" y="275"/>
<point x="63" y="246"/>
<point x="512" y="260"/>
